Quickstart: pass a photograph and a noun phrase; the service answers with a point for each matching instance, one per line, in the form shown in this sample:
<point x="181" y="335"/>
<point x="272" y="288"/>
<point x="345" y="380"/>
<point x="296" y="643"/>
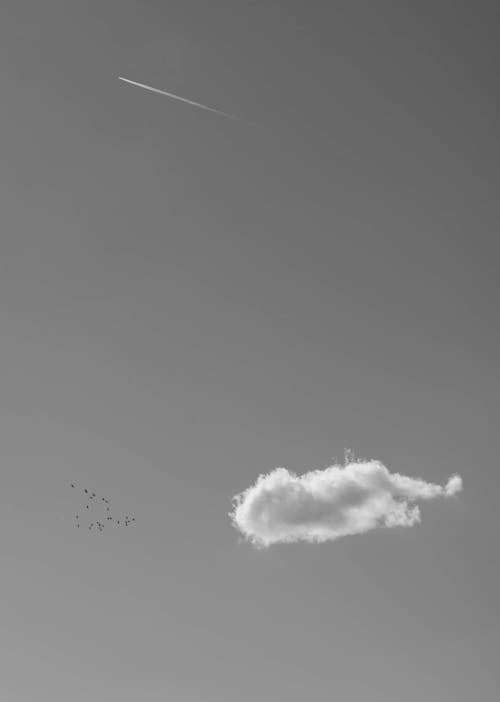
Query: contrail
<point x="177" y="97"/>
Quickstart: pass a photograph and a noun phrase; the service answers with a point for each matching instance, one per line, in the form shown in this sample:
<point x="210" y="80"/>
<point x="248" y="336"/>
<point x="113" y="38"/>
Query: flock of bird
<point x="93" y="502"/>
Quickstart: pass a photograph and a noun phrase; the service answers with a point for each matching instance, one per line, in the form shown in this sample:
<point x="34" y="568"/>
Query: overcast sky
<point x="188" y="301"/>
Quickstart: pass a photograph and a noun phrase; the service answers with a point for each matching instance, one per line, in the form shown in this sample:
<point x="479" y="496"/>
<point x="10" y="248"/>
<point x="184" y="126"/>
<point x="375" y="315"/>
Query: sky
<point x="188" y="302"/>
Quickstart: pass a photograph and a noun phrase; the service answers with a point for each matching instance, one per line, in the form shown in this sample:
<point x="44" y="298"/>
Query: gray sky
<point x="187" y="302"/>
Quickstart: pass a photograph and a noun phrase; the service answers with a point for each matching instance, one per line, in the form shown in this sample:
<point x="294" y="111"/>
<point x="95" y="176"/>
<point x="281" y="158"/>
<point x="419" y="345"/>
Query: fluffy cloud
<point x="323" y="505"/>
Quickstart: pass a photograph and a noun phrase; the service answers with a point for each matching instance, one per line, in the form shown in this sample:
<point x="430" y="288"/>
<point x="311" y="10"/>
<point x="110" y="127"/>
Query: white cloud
<point x="323" y="505"/>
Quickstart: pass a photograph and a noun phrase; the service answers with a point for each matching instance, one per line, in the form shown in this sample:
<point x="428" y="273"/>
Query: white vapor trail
<point x="324" y="505"/>
<point x="181" y="99"/>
